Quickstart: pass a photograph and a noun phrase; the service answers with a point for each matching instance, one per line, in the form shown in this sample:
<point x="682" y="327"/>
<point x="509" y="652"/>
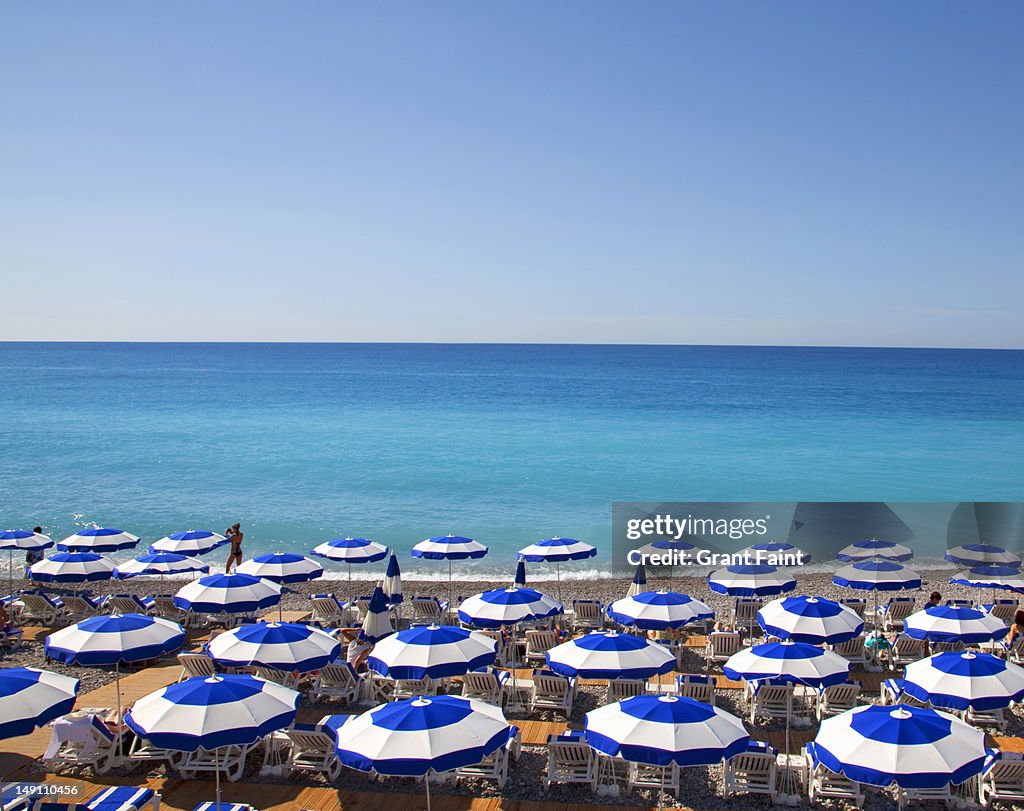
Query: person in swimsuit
<point x="235" y="554"/>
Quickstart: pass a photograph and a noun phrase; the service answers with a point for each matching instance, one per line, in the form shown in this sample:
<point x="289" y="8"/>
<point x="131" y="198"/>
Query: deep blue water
<point x="508" y="444"/>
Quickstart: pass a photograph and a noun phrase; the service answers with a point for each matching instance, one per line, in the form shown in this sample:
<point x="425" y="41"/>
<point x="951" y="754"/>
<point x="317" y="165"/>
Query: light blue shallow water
<point x="508" y="444"/>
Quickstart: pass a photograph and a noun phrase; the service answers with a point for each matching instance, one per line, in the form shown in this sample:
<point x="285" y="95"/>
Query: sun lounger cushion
<point x="222" y="807"/>
<point x="993" y="756"/>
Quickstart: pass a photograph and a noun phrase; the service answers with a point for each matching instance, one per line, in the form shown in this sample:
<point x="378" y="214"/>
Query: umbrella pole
<point x="426" y="783"/>
<point x="216" y="774"/>
<point x="558" y="577"/>
<point x="120" y="728"/>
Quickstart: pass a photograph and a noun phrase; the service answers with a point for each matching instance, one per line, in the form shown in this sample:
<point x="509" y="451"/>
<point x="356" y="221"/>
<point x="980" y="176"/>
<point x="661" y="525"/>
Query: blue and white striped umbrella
<point x="658" y="610"/>
<point x="418" y="736"/>
<point x="352" y="550"/>
<point x="31" y="698"/>
<point x="287" y="646"/>
<point x="228" y="594"/>
<point x="813" y="620"/>
<point x="431" y="652"/>
<point x="114" y="639"/>
<point x="282" y="567"/>
<point x="377" y="622"/>
<point x="867" y="550"/>
<point x="23" y="540"/>
<point x="1004" y="578"/>
<point x="393" y="581"/>
<point x="910" y="746"/>
<point x="449" y="547"/>
<point x="557" y="550"/>
<point x="493" y="609"/>
<point x="639" y="584"/>
<point x="519" y="580"/>
<point x="877" y="575"/>
<point x="192" y="542"/>
<point x="751" y="581"/>
<point x="71" y="567"/>
<point x="661" y="730"/>
<point x="158" y="563"/>
<point x="101" y="539"/>
<point x="947" y="623"/>
<point x="793" y="662"/>
<point x="982" y="554"/>
<point x="774" y="552"/>
<point x="958" y="680"/>
<point x="610" y="655"/>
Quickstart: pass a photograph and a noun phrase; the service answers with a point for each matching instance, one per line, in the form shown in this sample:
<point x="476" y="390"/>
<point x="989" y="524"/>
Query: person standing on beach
<point x="33" y="555"/>
<point x="235" y="535"/>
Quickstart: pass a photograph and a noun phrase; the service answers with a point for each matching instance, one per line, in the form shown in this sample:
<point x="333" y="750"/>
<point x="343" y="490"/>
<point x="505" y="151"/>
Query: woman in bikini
<point x="235" y="554"/>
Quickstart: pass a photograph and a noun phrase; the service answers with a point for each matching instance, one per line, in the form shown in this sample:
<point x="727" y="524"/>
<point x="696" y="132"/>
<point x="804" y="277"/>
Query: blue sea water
<point x="508" y="444"/>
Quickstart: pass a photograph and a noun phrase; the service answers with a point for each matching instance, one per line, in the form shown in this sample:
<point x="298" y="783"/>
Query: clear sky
<point x="682" y="172"/>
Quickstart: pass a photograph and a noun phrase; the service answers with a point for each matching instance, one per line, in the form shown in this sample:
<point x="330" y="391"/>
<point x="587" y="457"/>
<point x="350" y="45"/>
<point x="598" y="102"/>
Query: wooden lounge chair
<point x="570" y="760"/>
<point x="744" y="612"/>
<point x="752" y="772"/>
<point x="1002" y="779"/>
<point x="825" y="784"/>
<point x="538" y="643"/>
<point x="485" y="685"/>
<point x="891" y="615"/>
<point x="588" y="615"/>
<point x="1003" y="609"/>
<point x="495" y="766"/>
<point x="195" y="664"/>
<point x="552" y="692"/>
<point x="337" y="680"/>
<point x="771" y="701"/>
<point x="619" y="689"/>
<point x="905" y="650"/>
<point x="720" y="646"/>
<point x="698" y="686"/>
<point x="836" y="699"/>
<point x="852" y="650"/>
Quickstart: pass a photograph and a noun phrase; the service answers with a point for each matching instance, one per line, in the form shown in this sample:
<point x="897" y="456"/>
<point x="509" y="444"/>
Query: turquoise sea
<point x="505" y="443"/>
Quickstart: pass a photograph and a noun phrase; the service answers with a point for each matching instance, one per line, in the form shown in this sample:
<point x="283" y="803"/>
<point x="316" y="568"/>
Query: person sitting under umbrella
<point x="358" y="648"/>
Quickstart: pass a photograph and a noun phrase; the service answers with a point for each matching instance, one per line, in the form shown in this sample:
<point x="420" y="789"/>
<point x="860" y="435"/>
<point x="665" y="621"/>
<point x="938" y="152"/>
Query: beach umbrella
<point x="557" y="551"/>
<point x="351" y="550"/>
<point x="113" y="640"/>
<point x="982" y="554"/>
<point x="421" y="736"/>
<point x="432" y="652"/>
<point x="658" y="610"/>
<point x="192" y="542"/>
<point x="960" y="680"/>
<point x="750" y="580"/>
<point x="493" y="609"/>
<point x="867" y="550"/>
<point x="910" y="746"/>
<point x="377" y="622"/>
<point x="813" y="620"/>
<point x="662" y="730"/>
<point x="997" y="578"/>
<point x="948" y="623"/>
<point x="610" y="655"/>
<point x="23" y="541"/>
<point x="519" y="581"/>
<point x="639" y="583"/>
<point x="665" y="552"/>
<point x="449" y="547"/>
<point x="100" y="539"/>
<point x="158" y="563"/>
<point x="71" y="567"/>
<point x="227" y="594"/>
<point x="282" y="568"/>
<point x="31" y="698"/>
<point x="777" y="551"/>
<point x="393" y="581"/>
<point x="876" y="575"/>
<point x="212" y="712"/>
<point x="290" y="647"/>
<point x="792" y="662"/>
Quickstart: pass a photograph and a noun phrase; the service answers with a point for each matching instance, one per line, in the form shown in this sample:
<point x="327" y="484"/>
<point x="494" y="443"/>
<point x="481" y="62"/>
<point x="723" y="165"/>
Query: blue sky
<point x="777" y="173"/>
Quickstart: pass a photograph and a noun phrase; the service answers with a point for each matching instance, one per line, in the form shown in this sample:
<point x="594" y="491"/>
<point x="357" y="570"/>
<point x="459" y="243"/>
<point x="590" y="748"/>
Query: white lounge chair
<point x="744" y="612"/>
<point x="538" y="643"/>
<point x="41" y="608"/>
<point x="328" y="611"/>
<point x="195" y="664"/>
<point x="570" y="760"/>
<point x="720" y="646"/>
<point x="124" y="604"/>
<point x="836" y="699"/>
<point x="78" y="607"/>
<point x="771" y="701"/>
<point x="752" y="772"/>
<point x="891" y="615"/>
<point x="1003" y="609"/>
<point x="337" y="680"/>
<point x="992" y="720"/>
<point x="930" y="796"/>
<point x="905" y="650"/>
<point x="163" y="606"/>
<point x="659" y="778"/>
<point x="619" y="689"/>
<point x="495" y="766"/>
<point x="588" y="614"/>
<point x="310" y="750"/>
<point x="825" y="784"/>
<point x="858" y="604"/>
<point x="413" y="688"/>
<point x="1002" y="779"/>
<point x="552" y="692"/>
<point x="697" y="686"/>
<point x="228" y="760"/>
<point x="852" y="650"/>
<point x="286" y="678"/>
<point x="485" y="685"/>
<point x="427" y="611"/>
<point x="81" y="740"/>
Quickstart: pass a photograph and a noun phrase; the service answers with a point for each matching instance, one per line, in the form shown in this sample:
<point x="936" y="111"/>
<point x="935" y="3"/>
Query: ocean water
<point x="508" y="444"/>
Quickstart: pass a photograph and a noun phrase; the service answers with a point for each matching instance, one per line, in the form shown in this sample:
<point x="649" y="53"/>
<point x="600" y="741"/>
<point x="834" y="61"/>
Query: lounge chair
<point x="163" y="606"/>
<point x="852" y="650"/>
<point x="744" y="612"/>
<point x="124" y="604"/>
<point x="892" y="693"/>
<point x="286" y="678"/>
<point x="1002" y="779"/>
<point x="942" y="794"/>
<point x="905" y="650"/>
<point x="825" y="784"/>
<point x="485" y="685"/>
<point x="992" y="720"/>
<point x="944" y="647"/>
<point x="960" y="603"/>
<point x="79" y="607"/>
<point x="10" y="637"/>
<point x="195" y="664"/>
<point x="588" y="614"/>
<point x="619" y="689"/>
<point x="310" y="750"/>
<point x="337" y="680"/>
<point x="501" y="648"/>
<point x="891" y="615"/>
<point x="720" y="646"/>
<point x="495" y="766"/>
<point x="115" y="798"/>
<point x="428" y="611"/>
<point x="858" y="604"/>
<point x="752" y="772"/>
<point x="81" y="740"/>
<point x="142" y="751"/>
<point x="413" y="688"/>
<point x="570" y="760"/>
<point x="41" y="608"/>
<point x="552" y="692"/>
<point x="660" y="778"/>
<point x="538" y="643"/>
<point x="696" y="686"/>
<point x="836" y="699"/>
<point x="228" y="760"/>
<point x="328" y="611"/>
<point x="1003" y="609"/>
<point x="771" y="700"/>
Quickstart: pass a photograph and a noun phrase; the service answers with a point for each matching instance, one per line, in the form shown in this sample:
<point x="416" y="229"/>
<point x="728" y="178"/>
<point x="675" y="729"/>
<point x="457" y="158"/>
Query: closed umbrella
<point x="377" y="622"/>
<point x="519" y="581"/>
<point x="639" y="583"/>
<point x="393" y="581"/>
